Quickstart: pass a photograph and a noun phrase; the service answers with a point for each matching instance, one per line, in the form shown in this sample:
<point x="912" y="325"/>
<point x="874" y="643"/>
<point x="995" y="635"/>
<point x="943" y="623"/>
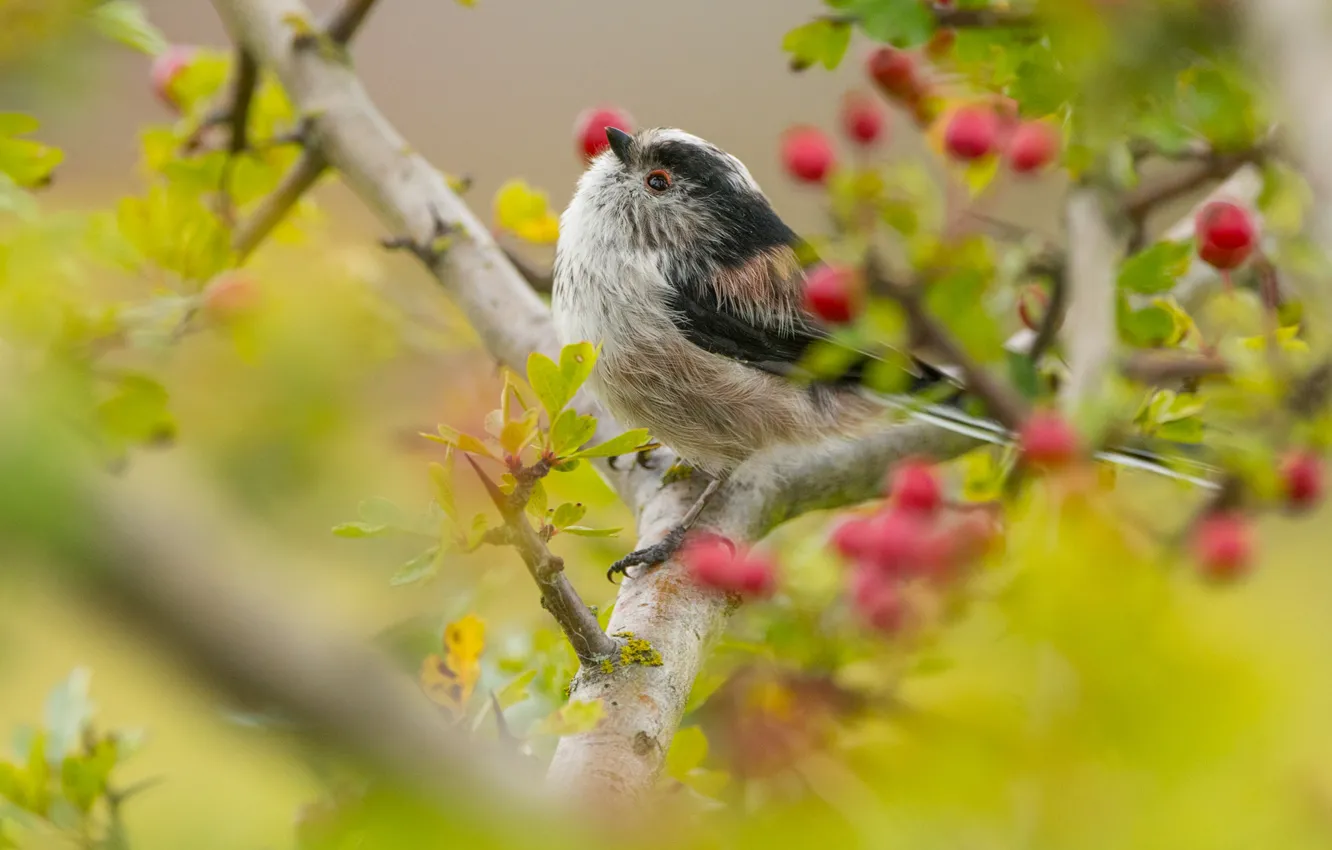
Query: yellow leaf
<point x="525" y="212"/>
<point x="450" y="680"/>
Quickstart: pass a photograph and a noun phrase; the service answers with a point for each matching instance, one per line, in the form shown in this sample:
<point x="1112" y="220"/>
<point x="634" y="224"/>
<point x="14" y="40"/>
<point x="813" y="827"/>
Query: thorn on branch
<point x="344" y="22"/>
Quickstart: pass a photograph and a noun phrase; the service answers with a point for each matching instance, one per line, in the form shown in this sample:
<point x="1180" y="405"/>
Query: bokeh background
<point x="490" y="92"/>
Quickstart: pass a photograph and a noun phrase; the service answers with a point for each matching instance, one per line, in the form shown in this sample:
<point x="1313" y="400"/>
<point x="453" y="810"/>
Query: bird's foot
<point x="678" y="471"/>
<point x="646" y="458"/>
<point x="649" y="556"/>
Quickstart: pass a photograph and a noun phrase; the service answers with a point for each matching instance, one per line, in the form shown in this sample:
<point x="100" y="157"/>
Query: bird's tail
<point x="1179" y="467"/>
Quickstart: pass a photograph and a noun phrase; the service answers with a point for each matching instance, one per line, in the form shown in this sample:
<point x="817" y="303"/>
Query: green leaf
<point x="1149" y="327"/>
<point x="421" y="568"/>
<point x="1156" y="269"/>
<point x="571" y="719"/>
<point x="627" y="442"/>
<point x="570" y="431"/>
<point x="584" y="531"/>
<point x="567" y="514"/>
<point x="26" y="162"/>
<point x="359" y="529"/>
<point x="688" y="750"/>
<point x="125" y="22"/>
<point x="902" y="23"/>
<point x="136" y="411"/>
<point x="576" y="363"/>
<point x="68" y="710"/>
<point x="548" y="382"/>
<point x="516" y="690"/>
<point x="441" y="476"/>
<point x="818" y="42"/>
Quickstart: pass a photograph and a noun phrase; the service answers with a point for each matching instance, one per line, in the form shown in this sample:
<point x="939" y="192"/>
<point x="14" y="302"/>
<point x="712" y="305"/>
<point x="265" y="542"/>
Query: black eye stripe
<point x="658" y="181"/>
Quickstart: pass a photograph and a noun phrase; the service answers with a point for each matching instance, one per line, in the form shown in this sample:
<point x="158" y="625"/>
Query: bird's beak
<point x="619" y="143"/>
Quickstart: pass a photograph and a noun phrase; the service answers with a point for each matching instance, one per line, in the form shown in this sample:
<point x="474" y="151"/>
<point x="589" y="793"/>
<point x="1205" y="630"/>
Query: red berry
<point x="1223" y="545"/>
<point x="1033" y="301"/>
<point x="972" y="133"/>
<point x="1047" y="440"/>
<point x="862" y="119"/>
<point x="590" y="129"/>
<point x="916" y="488"/>
<point x="1032" y="146"/>
<point x="807" y="154"/>
<point x="895" y="543"/>
<point x="230" y="296"/>
<point x="713" y="562"/>
<point x="830" y="294"/>
<point x="896" y="73"/>
<point x="879" y="601"/>
<point x="167" y="67"/>
<point x="1302" y="476"/>
<point x="851" y="537"/>
<point x="1227" y="234"/>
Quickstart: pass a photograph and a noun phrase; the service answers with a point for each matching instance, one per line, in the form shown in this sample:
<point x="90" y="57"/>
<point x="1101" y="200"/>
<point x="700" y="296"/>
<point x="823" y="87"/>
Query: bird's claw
<point x="649" y="556"/>
<point x="644" y="459"/>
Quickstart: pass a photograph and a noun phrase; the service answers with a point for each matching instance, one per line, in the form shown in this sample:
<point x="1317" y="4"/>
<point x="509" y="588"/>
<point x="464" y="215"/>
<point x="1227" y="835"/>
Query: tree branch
<point x="348" y="19"/>
<point x="234" y="110"/>
<point x="558" y="596"/>
<point x="1216" y="166"/>
<point x="295" y="183"/>
<point x="950" y="16"/>
<point x="1090" y="330"/>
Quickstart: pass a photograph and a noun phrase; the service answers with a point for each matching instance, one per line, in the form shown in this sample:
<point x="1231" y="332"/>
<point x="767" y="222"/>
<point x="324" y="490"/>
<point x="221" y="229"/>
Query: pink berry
<point x="230" y="296"/>
<point x="852" y="536"/>
<point x="916" y="488"/>
<point x="1302" y="477"/>
<point x="1047" y="441"/>
<point x="1227" y="234"/>
<point x="713" y="562"/>
<point x="896" y="73"/>
<point x="590" y="129"/>
<point x="862" y="119"/>
<point x="1032" y="146"/>
<point x="830" y="294"/>
<point x="1223" y="545"/>
<point x="807" y="154"/>
<point x="895" y="543"/>
<point x="972" y="133"/>
<point x="756" y="576"/>
<point x="166" y="68"/>
<point x="879" y="601"/>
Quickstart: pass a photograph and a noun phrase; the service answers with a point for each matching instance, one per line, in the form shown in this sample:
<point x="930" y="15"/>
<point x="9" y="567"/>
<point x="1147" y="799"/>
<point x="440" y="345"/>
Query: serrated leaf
<point x="548" y="382"/>
<point x="818" y="42"/>
<point x="125" y="22"/>
<point x="627" y="442"/>
<point x="359" y="529"/>
<point x="567" y="514"/>
<point x="584" y="531"/>
<point x="576" y="363"/>
<point x="902" y="23"/>
<point x="421" y="568"/>
<point x="516" y="690"/>
<point x="1156" y="269"/>
<point x="574" y="718"/>
<point x="570" y="431"/>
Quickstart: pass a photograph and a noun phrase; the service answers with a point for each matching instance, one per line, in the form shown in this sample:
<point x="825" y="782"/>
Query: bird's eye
<point x="658" y="181"/>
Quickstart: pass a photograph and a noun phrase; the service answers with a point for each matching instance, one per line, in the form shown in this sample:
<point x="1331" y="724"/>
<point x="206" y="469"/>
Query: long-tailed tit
<point x="671" y="258"/>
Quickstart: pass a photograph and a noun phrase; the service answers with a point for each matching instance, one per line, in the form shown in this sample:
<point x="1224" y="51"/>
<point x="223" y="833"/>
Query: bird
<point x="672" y="259"/>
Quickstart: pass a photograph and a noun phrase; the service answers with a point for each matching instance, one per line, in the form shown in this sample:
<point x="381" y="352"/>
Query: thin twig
<point x="540" y="280"/>
<point x="558" y="596"/>
<point x="348" y="19"/>
<point x="234" y="110"/>
<point x="295" y="183"/>
<point x="1053" y="319"/>
<point x="949" y="16"/>
<point x="1141" y="202"/>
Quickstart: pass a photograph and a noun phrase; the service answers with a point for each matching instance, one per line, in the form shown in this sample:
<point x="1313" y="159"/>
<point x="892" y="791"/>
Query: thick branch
<point x="1090" y="331"/>
<point x="295" y="183"/>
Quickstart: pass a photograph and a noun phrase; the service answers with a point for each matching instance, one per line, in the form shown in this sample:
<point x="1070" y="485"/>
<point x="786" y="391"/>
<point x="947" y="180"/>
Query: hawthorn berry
<point x="830" y="294"/>
<point x="1031" y="147"/>
<point x="166" y="68"/>
<point x="915" y="487"/>
<point x="807" y="154"/>
<point x="1047" y="441"/>
<point x="879" y="601"/>
<point x="972" y="133"/>
<point x="1302" y="479"/>
<point x="590" y="129"/>
<point x="1223" y="545"/>
<point x="230" y="296"/>
<point x="896" y="73"/>
<point x="863" y="121"/>
<point x="714" y="562"/>
<point x="895" y="543"/>
<point x="1033" y="301"/>
<point x="851" y="537"/>
<point x="1226" y="233"/>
